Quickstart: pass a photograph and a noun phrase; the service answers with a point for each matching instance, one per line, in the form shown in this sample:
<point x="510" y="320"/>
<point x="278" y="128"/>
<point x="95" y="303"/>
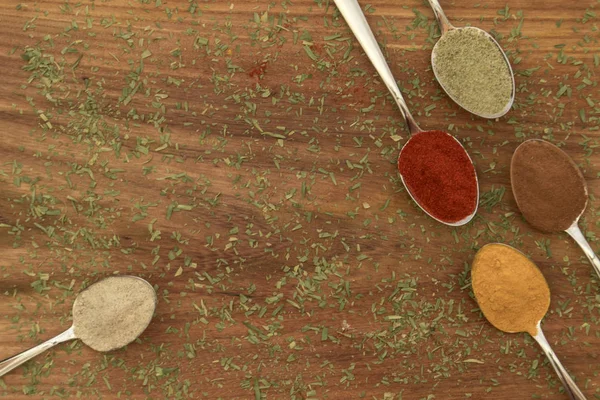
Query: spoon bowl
<point x="352" y="13"/>
<point x="423" y="202"/>
<point x="11" y="363"/>
<point x="445" y="27"/>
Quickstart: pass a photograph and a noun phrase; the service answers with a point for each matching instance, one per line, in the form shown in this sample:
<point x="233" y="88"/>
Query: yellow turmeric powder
<point x="510" y="290"/>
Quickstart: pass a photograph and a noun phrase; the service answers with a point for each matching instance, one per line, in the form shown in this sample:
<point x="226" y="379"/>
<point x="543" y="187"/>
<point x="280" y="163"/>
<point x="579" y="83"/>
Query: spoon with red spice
<point x="434" y="166"/>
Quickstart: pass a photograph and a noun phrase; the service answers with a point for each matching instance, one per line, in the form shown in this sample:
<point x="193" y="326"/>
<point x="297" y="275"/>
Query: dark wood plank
<point x="295" y="266"/>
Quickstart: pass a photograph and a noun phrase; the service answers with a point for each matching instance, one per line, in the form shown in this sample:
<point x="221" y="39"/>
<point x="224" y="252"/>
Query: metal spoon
<point x="570" y="386"/>
<point x="352" y="13"/>
<point x="573" y="230"/>
<point x="446" y="26"/>
<point x="11" y="363"/>
<point x="577" y="235"/>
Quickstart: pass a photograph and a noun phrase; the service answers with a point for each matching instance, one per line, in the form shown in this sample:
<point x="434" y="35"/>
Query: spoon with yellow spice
<point x="513" y="295"/>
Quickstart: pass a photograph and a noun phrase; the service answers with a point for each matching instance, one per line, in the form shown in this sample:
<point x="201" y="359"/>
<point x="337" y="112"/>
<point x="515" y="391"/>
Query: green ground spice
<point x="473" y="71"/>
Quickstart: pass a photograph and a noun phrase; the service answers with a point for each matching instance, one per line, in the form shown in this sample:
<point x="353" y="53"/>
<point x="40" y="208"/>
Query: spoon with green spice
<point x="472" y="68"/>
<point x="107" y="315"/>
<point x="434" y="166"/>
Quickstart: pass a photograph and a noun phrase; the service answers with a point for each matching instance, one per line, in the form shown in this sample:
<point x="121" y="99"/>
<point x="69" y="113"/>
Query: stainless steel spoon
<point x="11" y="363"/>
<point x="573" y="230"/>
<point x="568" y="383"/>
<point x="446" y="26"/>
<point x="570" y="386"/>
<point x="577" y="235"/>
<point x="352" y="13"/>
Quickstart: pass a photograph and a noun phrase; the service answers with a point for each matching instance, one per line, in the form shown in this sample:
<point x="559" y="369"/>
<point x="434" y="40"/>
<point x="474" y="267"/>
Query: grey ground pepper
<point x="473" y="71"/>
<point x="113" y="312"/>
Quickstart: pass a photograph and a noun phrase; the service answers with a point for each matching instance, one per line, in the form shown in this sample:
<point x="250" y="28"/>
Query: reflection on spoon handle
<point x="570" y="386"/>
<point x="355" y="18"/>
<point x="442" y="20"/>
<point x="576" y="234"/>
<point x="11" y="363"/>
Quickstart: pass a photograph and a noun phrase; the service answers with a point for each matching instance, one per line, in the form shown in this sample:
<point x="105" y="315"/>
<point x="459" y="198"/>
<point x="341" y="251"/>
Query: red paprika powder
<point x="439" y="175"/>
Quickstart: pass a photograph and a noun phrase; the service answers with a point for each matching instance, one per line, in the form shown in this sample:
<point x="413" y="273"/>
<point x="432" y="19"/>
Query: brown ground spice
<point x="510" y="290"/>
<point x="548" y="187"/>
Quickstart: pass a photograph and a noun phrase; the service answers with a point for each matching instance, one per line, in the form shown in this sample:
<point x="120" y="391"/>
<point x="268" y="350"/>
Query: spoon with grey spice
<point x="472" y="68"/>
<point x="107" y="315"/>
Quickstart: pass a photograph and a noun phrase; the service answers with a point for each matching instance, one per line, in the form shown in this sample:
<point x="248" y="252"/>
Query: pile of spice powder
<point x="548" y="187"/>
<point x="473" y="71"/>
<point x="510" y="289"/>
<point x="439" y="175"/>
<point x="113" y="312"/>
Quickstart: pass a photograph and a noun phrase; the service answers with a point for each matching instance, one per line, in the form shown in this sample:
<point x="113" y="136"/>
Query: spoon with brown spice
<point x="107" y="315"/>
<point x="472" y="68"/>
<point x="514" y="296"/>
<point x="550" y="191"/>
<point x="434" y="166"/>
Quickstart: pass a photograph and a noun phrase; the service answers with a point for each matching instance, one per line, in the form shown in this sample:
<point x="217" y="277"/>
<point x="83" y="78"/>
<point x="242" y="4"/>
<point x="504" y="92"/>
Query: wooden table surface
<point x="241" y="157"/>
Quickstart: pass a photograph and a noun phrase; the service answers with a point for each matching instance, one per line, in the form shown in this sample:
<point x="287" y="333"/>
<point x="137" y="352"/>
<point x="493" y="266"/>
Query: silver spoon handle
<point x="355" y="18"/>
<point x="13" y="362"/>
<point x="570" y="386"/>
<point x="576" y="234"/>
<point x="442" y="20"/>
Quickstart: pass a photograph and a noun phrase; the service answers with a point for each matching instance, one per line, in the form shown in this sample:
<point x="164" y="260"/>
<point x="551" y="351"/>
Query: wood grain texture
<point x="290" y="262"/>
